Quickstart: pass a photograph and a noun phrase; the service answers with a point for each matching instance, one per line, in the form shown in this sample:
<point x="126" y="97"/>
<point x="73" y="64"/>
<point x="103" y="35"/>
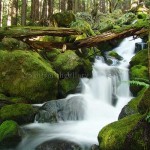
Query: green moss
<point x="51" y="55"/>
<point x="62" y="19"/>
<point x="8" y="129"/>
<point x="112" y="136"/>
<point x="132" y="106"/>
<point x="70" y="65"/>
<point x="21" y="113"/>
<point x="68" y="86"/>
<point x="141" y="58"/>
<point x="26" y="74"/>
<point x="10" y="134"/>
<point x="83" y="26"/>
<point x="144" y="104"/>
<point x="52" y="39"/>
<point x="139" y="71"/>
<point x="115" y="55"/>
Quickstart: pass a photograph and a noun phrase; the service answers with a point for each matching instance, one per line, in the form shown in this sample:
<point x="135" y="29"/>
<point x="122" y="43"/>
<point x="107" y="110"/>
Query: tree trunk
<point x="44" y="10"/>
<point x="34" y="10"/>
<point x="0" y="13"/>
<point x="50" y="8"/>
<point x="63" y="5"/>
<point x="149" y="56"/>
<point x="70" y="5"/>
<point x="14" y="12"/>
<point x="23" y="12"/>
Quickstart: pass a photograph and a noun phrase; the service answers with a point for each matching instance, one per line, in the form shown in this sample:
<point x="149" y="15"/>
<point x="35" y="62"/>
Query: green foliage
<point x="139" y="83"/>
<point x="139" y="71"/>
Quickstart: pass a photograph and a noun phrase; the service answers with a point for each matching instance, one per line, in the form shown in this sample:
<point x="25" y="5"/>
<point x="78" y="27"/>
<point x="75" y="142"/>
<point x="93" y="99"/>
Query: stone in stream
<point x="58" y="144"/>
<point x="64" y="109"/>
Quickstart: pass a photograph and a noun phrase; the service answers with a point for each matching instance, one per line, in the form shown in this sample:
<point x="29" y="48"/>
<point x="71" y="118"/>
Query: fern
<point x="139" y="83"/>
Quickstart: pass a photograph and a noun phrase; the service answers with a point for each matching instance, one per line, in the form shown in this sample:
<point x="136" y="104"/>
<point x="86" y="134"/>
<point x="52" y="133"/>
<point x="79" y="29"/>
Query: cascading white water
<point x="98" y="92"/>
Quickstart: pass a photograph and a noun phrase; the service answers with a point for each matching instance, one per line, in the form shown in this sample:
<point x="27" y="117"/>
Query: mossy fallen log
<point x="108" y="36"/>
<point x="87" y="42"/>
<point x="29" y="32"/>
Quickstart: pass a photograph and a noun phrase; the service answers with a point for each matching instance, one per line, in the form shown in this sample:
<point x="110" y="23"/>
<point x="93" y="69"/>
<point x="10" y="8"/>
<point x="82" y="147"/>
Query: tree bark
<point x="50" y="8"/>
<point x="44" y="15"/>
<point x="23" y="12"/>
<point x="70" y="5"/>
<point x="0" y="13"/>
<point x="35" y="10"/>
<point x="63" y="5"/>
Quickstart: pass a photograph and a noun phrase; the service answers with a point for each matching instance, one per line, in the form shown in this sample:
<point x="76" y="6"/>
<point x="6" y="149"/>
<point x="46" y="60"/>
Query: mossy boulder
<point x="139" y="70"/>
<point x="13" y="44"/>
<point x="70" y="68"/>
<point x="115" y="55"/>
<point x="144" y="104"/>
<point x="83" y="26"/>
<point x="133" y="106"/>
<point x="67" y="86"/>
<point x="112" y="136"/>
<point x="21" y="113"/>
<point x="139" y="137"/>
<point x="62" y="19"/>
<point x="10" y="134"/>
<point x="141" y="58"/>
<point x="70" y="65"/>
<point x="26" y="74"/>
<point x="51" y="55"/>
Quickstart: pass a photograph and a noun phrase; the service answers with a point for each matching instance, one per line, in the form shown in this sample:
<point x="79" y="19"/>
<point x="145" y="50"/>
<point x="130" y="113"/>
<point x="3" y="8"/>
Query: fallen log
<point x="108" y="36"/>
<point x="29" y="32"/>
<point x="47" y="46"/>
<point x="87" y="42"/>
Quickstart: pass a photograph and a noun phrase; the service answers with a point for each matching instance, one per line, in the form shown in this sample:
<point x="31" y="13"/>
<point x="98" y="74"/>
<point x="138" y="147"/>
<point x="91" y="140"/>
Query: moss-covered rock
<point x="51" y="55"/>
<point x="67" y="86"/>
<point x="26" y="74"/>
<point x="10" y="134"/>
<point x="141" y="58"/>
<point x="70" y="65"/>
<point x="83" y="26"/>
<point x="139" y="71"/>
<point x="144" y="104"/>
<point x="62" y="19"/>
<point x="112" y="136"/>
<point x="132" y="106"/>
<point x="139" y="137"/>
<point x="21" y="113"/>
<point x="115" y="55"/>
<point x="13" y="44"/>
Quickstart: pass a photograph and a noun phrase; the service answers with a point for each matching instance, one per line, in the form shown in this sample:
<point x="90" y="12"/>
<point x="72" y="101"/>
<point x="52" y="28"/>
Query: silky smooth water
<point x="97" y="94"/>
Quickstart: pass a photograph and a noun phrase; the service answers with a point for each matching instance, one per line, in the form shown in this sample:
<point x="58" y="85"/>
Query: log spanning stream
<point x="96" y="104"/>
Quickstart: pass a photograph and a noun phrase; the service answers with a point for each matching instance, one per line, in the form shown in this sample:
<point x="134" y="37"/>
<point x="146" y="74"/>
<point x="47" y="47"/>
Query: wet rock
<point x="64" y="109"/>
<point x="57" y="144"/>
<point x="94" y="147"/>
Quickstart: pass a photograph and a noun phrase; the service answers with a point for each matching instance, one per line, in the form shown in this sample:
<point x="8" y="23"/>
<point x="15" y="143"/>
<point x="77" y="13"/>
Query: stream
<point x="99" y="104"/>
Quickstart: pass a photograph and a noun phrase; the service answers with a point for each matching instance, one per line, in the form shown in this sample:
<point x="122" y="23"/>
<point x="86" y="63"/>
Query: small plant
<point x="139" y="83"/>
<point x="148" y="117"/>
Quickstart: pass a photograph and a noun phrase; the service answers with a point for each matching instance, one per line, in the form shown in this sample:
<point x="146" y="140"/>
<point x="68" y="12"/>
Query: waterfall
<point x="102" y="98"/>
